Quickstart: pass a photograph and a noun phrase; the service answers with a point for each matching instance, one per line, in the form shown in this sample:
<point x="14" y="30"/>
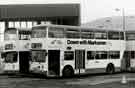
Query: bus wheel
<point x="110" y="69"/>
<point x="68" y="71"/>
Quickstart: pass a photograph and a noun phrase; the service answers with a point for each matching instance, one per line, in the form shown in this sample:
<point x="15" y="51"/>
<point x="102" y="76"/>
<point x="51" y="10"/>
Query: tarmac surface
<point x="89" y="81"/>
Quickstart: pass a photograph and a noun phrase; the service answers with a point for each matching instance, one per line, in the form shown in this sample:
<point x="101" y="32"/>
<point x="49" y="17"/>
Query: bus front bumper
<point x="10" y="71"/>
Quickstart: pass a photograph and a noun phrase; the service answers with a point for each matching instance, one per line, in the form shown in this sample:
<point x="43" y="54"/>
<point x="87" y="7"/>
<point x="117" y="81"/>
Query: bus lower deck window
<point x="133" y="54"/>
<point x="101" y="54"/>
<point x="90" y="55"/>
<point x="68" y="55"/>
<point x="114" y="54"/>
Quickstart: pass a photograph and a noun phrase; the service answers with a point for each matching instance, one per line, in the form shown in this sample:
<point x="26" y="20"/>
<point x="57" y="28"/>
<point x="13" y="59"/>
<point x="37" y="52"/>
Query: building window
<point x="11" y="25"/>
<point x="29" y="24"/>
<point x="23" y="24"/>
<point x="17" y="24"/>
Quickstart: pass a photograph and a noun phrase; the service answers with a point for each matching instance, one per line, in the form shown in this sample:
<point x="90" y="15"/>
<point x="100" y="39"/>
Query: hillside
<point x="113" y="23"/>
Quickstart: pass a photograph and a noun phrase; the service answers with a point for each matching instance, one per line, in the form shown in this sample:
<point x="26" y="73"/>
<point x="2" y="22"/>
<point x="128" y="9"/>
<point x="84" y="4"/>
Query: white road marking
<point x="96" y="82"/>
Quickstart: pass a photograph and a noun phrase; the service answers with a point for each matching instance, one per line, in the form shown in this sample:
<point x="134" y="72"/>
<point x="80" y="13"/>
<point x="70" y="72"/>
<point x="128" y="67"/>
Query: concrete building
<point x="27" y="15"/>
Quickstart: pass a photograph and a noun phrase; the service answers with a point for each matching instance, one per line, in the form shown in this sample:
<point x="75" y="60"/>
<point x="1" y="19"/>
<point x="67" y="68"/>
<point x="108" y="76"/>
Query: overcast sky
<point x="90" y="9"/>
<point x="95" y="9"/>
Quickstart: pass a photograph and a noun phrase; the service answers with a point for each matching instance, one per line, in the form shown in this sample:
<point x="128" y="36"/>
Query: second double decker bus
<point x="16" y="50"/>
<point x="59" y="50"/>
<point x="130" y="50"/>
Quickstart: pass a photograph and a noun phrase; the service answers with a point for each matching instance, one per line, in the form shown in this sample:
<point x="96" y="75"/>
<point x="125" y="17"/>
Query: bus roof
<point x="19" y="29"/>
<point x="77" y="27"/>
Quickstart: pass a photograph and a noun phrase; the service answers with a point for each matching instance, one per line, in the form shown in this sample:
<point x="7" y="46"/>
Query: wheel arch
<point x="68" y="66"/>
<point x="110" y="65"/>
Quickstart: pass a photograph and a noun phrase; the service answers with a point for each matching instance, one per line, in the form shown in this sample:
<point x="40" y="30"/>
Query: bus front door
<point x="54" y="62"/>
<point x="80" y="60"/>
<point x="24" y="62"/>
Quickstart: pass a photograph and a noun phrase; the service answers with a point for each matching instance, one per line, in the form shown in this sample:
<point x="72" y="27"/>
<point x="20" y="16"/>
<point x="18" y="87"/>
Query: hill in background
<point x="115" y="22"/>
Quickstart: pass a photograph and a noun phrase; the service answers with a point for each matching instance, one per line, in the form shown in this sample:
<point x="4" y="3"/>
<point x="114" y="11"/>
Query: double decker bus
<point x="59" y="50"/>
<point x="16" y="50"/>
<point x="130" y="50"/>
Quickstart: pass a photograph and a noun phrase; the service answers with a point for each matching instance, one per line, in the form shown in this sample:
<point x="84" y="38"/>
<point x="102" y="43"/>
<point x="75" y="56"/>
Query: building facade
<point x="28" y="15"/>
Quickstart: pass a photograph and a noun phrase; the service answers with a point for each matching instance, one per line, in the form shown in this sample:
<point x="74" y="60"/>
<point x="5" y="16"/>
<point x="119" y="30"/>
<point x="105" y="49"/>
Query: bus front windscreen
<point x="10" y="57"/>
<point x="10" y="34"/>
<point x="38" y="56"/>
<point x="38" y="32"/>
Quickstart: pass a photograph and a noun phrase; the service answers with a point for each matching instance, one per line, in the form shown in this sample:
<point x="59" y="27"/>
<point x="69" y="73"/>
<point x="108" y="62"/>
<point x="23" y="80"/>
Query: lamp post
<point x="123" y="17"/>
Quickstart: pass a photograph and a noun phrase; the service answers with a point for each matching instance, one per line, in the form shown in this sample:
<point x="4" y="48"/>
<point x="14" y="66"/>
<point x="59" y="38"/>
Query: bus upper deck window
<point x="38" y="32"/>
<point x="121" y="35"/>
<point x="54" y="32"/>
<point x="87" y="35"/>
<point x="130" y="36"/>
<point x="113" y="35"/>
<point x="72" y="33"/>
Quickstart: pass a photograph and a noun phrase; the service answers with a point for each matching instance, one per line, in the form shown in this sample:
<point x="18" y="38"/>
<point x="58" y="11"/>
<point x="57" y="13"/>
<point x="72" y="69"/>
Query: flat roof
<point x="30" y="11"/>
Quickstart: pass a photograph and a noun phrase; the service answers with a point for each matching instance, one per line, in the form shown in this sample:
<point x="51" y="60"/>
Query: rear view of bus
<point x="16" y="50"/>
<point x="130" y="50"/>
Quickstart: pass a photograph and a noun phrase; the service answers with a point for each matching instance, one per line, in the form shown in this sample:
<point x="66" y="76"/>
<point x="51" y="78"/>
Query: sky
<point x="95" y="9"/>
<point x="90" y="9"/>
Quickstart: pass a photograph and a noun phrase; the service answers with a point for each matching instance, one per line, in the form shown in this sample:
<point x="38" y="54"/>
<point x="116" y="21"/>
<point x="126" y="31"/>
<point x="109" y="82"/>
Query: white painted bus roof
<point x="78" y="27"/>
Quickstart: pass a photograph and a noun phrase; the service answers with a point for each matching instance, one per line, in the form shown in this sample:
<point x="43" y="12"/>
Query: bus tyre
<point x="68" y="72"/>
<point x="110" y="69"/>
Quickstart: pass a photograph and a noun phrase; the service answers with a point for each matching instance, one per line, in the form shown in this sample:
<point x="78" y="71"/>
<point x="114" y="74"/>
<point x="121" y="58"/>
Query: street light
<point x="123" y="17"/>
<point x="127" y="59"/>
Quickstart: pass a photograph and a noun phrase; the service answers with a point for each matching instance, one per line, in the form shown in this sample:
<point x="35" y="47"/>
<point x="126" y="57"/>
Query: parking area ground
<point x="91" y="81"/>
